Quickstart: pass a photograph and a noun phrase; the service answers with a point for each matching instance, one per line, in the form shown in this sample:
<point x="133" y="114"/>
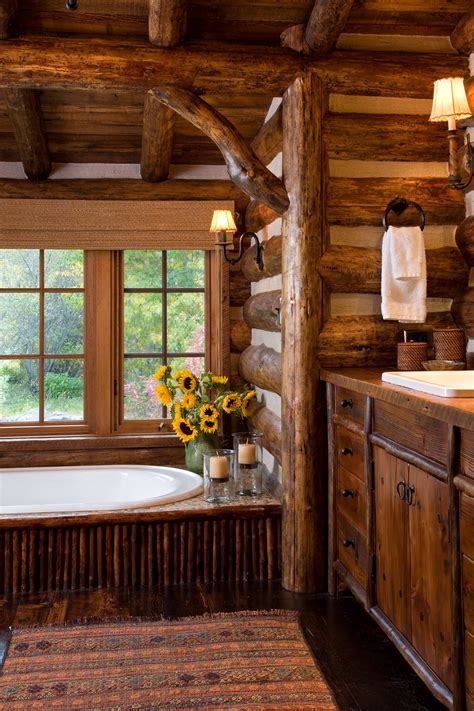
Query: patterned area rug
<point x="245" y="660"/>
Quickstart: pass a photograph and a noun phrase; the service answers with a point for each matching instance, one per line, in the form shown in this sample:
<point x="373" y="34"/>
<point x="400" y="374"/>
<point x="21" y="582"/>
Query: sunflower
<point x="163" y="395"/>
<point x="185" y="430"/>
<point x="187" y="382"/>
<point x="231" y="402"/>
<point x="220" y="379"/>
<point x="208" y="411"/>
<point x="248" y="403"/>
<point x="176" y="411"/>
<point x="188" y="401"/>
<point x="160" y="372"/>
<point x="209" y="425"/>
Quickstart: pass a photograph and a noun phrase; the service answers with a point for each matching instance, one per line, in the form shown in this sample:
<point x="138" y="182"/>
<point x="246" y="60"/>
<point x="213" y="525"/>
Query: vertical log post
<point x="303" y="400"/>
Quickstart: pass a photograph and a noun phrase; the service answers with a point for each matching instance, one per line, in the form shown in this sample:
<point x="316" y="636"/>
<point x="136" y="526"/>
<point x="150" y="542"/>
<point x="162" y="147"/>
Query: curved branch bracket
<point x="244" y="167"/>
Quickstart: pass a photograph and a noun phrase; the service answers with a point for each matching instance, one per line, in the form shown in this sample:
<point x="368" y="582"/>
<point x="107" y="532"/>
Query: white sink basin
<point x="445" y="383"/>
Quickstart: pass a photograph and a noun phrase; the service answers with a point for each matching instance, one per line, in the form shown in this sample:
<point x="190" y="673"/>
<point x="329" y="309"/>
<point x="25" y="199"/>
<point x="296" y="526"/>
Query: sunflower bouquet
<point x="197" y="403"/>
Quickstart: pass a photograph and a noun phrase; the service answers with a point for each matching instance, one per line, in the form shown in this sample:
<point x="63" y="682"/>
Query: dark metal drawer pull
<point x="402" y="490"/>
<point x="347" y="492"/>
<point x="346" y="451"/>
<point x="409" y="495"/>
<point x="347" y="403"/>
<point x="348" y="543"/>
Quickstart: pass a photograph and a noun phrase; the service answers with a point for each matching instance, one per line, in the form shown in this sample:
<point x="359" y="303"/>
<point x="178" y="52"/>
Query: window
<point x="82" y="333"/>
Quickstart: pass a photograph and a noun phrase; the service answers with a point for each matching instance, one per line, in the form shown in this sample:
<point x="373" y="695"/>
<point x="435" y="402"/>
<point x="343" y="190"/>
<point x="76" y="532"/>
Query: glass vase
<point x="196" y="448"/>
<point x="219" y="476"/>
<point x="248" y="463"/>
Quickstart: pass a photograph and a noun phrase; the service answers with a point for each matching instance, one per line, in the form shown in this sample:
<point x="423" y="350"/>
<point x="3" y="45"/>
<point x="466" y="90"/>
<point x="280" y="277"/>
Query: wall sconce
<point x="450" y="104"/>
<point x="223" y="224"/>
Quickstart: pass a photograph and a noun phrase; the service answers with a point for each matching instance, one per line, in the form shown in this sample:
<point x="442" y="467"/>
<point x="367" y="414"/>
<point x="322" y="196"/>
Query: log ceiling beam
<point x="8" y="10"/>
<point x="462" y="37"/>
<point x="325" y="24"/>
<point x="243" y="166"/>
<point x="25" y="114"/>
<point x="157" y="140"/>
<point x="115" y="65"/>
<point x="167" y="22"/>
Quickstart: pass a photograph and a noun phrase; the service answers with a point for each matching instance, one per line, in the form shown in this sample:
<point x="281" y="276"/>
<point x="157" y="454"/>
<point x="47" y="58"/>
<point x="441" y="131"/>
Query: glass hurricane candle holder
<point x="248" y="463"/>
<point x="219" y="476"/>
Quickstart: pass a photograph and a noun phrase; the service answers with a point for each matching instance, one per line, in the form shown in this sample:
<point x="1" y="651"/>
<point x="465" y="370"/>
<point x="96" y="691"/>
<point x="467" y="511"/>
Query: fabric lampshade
<point x="449" y="100"/>
<point x="223" y="221"/>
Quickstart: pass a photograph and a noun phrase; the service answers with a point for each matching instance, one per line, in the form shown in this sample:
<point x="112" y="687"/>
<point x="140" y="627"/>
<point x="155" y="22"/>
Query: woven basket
<point x="449" y="344"/>
<point x="411" y="355"/>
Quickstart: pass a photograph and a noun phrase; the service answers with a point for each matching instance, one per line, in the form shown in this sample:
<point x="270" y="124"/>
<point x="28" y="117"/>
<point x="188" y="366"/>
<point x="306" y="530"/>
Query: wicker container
<point x="449" y="344"/>
<point x="411" y="355"/>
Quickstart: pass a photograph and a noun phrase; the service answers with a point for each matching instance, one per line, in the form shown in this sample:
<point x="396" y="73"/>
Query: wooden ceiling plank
<point x="326" y="23"/>
<point x="244" y="167"/>
<point x="167" y="22"/>
<point x="8" y="10"/>
<point x="157" y="140"/>
<point x="462" y="37"/>
<point x="25" y="114"/>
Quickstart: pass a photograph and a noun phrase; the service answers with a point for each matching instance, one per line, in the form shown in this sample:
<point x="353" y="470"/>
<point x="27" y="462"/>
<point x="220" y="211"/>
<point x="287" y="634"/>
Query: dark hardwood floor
<point x="361" y="665"/>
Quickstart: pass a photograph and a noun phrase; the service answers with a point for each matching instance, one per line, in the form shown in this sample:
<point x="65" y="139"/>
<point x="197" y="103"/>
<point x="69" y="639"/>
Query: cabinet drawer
<point x="351" y="499"/>
<point x="468" y="592"/>
<point x="352" y="550"/>
<point x="350" y="405"/>
<point x="467" y="525"/>
<point x="350" y="451"/>
<point x="469" y="668"/>
<point x="467" y="453"/>
<point x="418" y="432"/>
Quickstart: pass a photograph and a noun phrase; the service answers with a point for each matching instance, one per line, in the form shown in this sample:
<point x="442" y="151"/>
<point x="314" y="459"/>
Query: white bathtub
<point x="98" y="488"/>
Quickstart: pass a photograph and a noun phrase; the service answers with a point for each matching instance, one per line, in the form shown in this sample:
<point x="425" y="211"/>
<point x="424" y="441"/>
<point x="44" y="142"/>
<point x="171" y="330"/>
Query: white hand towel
<point x="404" y="275"/>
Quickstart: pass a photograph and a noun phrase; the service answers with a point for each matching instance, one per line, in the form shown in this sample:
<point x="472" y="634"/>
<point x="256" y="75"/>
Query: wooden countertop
<point x="457" y="411"/>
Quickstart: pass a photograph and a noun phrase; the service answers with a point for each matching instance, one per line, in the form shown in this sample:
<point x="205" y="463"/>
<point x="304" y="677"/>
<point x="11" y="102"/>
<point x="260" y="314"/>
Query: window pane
<point x="195" y="365"/>
<point x="63" y="268"/>
<point x="186" y="323"/>
<point x="19" y="399"/>
<point x="142" y="323"/>
<point x="63" y="323"/>
<point x="63" y="390"/>
<point x="19" y="268"/>
<point x="140" y="402"/>
<point x="142" y="269"/>
<point x="19" y="319"/>
<point x="185" y="269"/>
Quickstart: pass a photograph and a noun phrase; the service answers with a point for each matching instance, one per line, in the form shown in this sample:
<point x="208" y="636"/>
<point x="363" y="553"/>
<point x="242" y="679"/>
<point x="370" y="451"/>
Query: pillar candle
<point x="218" y="467"/>
<point x="247" y="453"/>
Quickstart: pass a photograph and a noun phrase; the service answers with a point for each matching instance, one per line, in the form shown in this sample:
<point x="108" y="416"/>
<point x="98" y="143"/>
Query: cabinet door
<point x="430" y="551"/>
<point x="392" y="540"/>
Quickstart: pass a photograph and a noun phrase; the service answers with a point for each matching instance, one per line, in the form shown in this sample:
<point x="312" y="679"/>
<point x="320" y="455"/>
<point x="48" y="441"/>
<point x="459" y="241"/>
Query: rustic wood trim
<point x="462" y="37"/>
<point x="370" y="493"/>
<point x="332" y="479"/>
<point x="269" y="140"/>
<point x="157" y="140"/>
<point x="140" y="553"/>
<point x="271" y="260"/>
<point x="348" y="580"/>
<point x="25" y="114"/>
<point x="258" y="215"/>
<point x="8" y="10"/>
<point x="260" y="311"/>
<point x="464" y="484"/>
<point x="348" y="424"/>
<point x="411" y="457"/>
<point x="303" y="398"/>
<point x="244" y="167"/>
<point x="433" y="682"/>
<point x="325" y="24"/>
<point x="262" y="366"/>
<point x="269" y="424"/>
<point x="167" y="22"/>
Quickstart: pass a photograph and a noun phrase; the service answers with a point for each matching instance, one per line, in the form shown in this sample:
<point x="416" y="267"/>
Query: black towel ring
<point x="399" y="205"/>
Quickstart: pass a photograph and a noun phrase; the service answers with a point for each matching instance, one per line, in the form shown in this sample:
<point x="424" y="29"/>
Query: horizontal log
<point x="465" y="239"/>
<point x="244" y="167"/>
<point x="269" y="140"/>
<point x="258" y="216"/>
<point x="123" y="189"/>
<point x="357" y="270"/>
<point x="384" y="137"/>
<point x="462" y="37"/>
<point x="356" y="341"/>
<point x="261" y="366"/>
<point x="260" y="311"/>
<point x="463" y="311"/>
<point x="240" y="336"/>
<point x="362" y="201"/>
<point x="271" y="260"/>
<point x="239" y="288"/>
<point x="269" y="424"/>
